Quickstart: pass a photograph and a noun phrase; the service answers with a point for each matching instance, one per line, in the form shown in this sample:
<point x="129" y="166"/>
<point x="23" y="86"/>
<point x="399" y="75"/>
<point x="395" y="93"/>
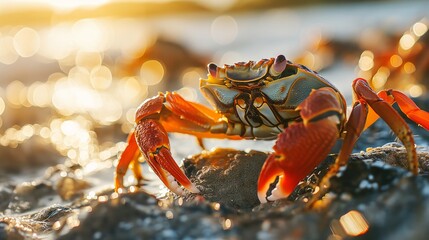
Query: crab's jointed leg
<point x="398" y="125"/>
<point x="407" y="106"/>
<point x="353" y="129"/>
<point x="303" y="145"/>
<point x="155" y="118"/>
<point x="380" y="106"/>
<point x="130" y="154"/>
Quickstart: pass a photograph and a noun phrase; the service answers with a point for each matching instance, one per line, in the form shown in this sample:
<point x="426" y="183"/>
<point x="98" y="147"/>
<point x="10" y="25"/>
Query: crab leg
<point x="407" y="106"/>
<point x="155" y="118"/>
<point x="398" y="125"/>
<point x="302" y="146"/>
<point x="130" y="154"/>
<point x="353" y="129"/>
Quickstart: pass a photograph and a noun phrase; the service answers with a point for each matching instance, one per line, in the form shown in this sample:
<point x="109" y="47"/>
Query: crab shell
<point x="260" y="98"/>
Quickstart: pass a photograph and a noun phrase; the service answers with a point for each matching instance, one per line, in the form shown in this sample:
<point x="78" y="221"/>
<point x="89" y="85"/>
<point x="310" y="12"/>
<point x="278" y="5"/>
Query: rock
<point x="385" y="199"/>
<point x="31" y="195"/>
<point x="230" y="176"/>
<point x="139" y="215"/>
<point x="26" y="226"/>
<point x="227" y="176"/>
<point x="9" y="232"/>
<point x="373" y="197"/>
<point x="6" y="193"/>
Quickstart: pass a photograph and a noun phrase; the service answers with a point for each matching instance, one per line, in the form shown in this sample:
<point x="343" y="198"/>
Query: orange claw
<point x="154" y="118"/>
<point x="154" y="144"/>
<point x="302" y="146"/>
<point x="269" y="172"/>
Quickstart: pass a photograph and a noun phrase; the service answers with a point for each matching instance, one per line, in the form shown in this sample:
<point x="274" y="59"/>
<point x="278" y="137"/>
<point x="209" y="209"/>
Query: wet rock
<point x="31" y="195"/>
<point x="227" y="176"/>
<point x="46" y="218"/>
<point x="26" y="226"/>
<point x="138" y="215"/>
<point x="369" y="198"/>
<point x="230" y="176"/>
<point x="373" y="188"/>
<point x="128" y="216"/>
<point x="395" y="155"/>
<point x="372" y="197"/>
<point x="6" y="193"/>
<point x="9" y="232"/>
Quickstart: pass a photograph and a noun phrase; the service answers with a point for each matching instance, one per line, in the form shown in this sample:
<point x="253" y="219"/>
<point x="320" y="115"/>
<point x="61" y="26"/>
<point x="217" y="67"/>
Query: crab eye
<point x="278" y="66"/>
<point x="212" y="69"/>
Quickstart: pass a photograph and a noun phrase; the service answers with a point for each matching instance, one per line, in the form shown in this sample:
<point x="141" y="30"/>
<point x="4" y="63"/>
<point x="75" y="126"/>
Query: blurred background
<point x="72" y="73"/>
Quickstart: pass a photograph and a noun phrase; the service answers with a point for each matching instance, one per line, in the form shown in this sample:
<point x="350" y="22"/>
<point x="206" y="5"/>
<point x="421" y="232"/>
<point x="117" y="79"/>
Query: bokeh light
<point x="8" y="54"/>
<point x="26" y="42"/>
<point x="409" y="68"/>
<point x="366" y="61"/>
<point x="152" y="72"/>
<point x="380" y="78"/>
<point x="101" y="77"/>
<point x="224" y="29"/>
<point x="415" y="91"/>
<point x="16" y="93"/>
<point x="88" y="60"/>
<point x="2" y="106"/>
<point x="191" y="77"/>
<point x="354" y="223"/>
<point x="56" y="41"/>
<point x="420" y="29"/>
<point x="90" y="35"/>
<point x="407" y="41"/>
<point x="395" y="61"/>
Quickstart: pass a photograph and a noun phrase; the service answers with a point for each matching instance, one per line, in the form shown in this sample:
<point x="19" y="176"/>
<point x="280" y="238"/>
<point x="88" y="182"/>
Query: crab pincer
<point x="303" y="145"/>
<point x="150" y="139"/>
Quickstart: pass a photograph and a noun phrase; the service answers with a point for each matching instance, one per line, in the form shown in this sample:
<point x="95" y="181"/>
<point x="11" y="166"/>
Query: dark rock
<point x="139" y="215"/>
<point x="31" y="195"/>
<point x="45" y="218"/>
<point x="26" y="226"/>
<point x="383" y="198"/>
<point x="6" y="193"/>
<point x="8" y="231"/>
<point x="373" y="197"/>
<point x="227" y="176"/>
<point x="230" y="176"/>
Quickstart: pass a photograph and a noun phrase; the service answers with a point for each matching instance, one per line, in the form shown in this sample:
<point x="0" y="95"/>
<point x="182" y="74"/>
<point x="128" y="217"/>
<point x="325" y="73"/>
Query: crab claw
<point x="302" y="146"/>
<point x="271" y="170"/>
<point x="153" y="141"/>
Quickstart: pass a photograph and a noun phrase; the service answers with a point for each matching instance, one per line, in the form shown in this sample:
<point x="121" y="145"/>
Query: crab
<point x="269" y="99"/>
